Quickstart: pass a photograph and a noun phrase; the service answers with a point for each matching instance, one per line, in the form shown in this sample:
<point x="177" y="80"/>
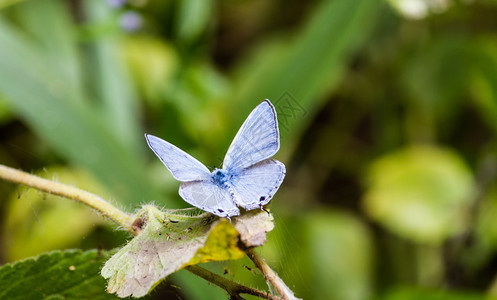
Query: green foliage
<point x="388" y="119"/>
<point x="71" y="274"/>
<point x="330" y="258"/>
<point x="102" y="136"/>
<point x="421" y="193"/>
<point x="311" y="64"/>
<point x="415" y="294"/>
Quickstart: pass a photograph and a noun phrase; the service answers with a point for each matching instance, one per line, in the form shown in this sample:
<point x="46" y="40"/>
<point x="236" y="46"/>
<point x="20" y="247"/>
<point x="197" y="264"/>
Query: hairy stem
<point x="270" y="275"/>
<point x="51" y="187"/>
<point x="234" y="289"/>
<point x="121" y="218"/>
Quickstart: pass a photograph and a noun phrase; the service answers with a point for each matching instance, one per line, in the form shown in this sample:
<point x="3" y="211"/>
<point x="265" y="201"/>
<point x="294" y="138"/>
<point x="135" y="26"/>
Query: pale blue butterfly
<point x="248" y="179"/>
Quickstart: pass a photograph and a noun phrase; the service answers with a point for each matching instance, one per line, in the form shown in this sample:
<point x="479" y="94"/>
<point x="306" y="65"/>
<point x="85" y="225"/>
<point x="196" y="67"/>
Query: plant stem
<point x="270" y="275"/>
<point x="234" y="289"/>
<point x="123" y="219"/>
<point x="106" y="209"/>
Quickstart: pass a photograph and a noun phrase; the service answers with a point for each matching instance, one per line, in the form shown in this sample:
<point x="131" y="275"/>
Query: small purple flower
<point x="130" y="21"/>
<point x="116" y="3"/>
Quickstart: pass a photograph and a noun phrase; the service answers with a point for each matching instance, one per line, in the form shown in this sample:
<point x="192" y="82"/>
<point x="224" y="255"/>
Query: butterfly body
<point x="220" y="176"/>
<point x="249" y="177"/>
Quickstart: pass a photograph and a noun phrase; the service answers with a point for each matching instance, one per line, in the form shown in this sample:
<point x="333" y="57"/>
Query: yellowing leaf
<point x="220" y="245"/>
<point x="170" y="241"/>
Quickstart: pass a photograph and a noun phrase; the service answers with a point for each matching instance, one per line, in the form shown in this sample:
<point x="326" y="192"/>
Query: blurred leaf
<point x="484" y="85"/>
<point x="427" y="75"/>
<point x="420" y="294"/>
<point x="73" y="127"/>
<point x="420" y="193"/>
<point x="193" y="18"/>
<point x="71" y="274"/>
<point x="486" y="222"/>
<point x="58" y="48"/>
<point x="295" y="76"/>
<point x="153" y="63"/>
<point x="330" y="254"/>
<point x="33" y="222"/>
<point x="169" y="242"/>
<point x="113" y="85"/>
<point x="340" y="248"/>
<point x="5" y="3"/>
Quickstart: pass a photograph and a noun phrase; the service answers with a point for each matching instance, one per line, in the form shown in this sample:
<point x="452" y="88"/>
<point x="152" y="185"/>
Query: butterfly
<point x="249" y="178"/>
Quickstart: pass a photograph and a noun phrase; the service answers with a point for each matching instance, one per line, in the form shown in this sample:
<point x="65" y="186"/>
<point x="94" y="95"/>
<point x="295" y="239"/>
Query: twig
<point x="234" y="289"/>
<point x="51" y="187"/>
<point x="270" y="275"/>
<point x="121" y="218"/>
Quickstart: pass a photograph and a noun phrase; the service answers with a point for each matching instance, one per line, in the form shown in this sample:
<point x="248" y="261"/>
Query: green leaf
<point x="425" y="294"/>
<point x="71" y="124"/>
<point x="113" y="85"/>
<point x="484" y="85"/>
<point x="71" y="274"/>
<point x="296" y="75"/>
<point x="322" y="255"/>
<point x="170" y="241"/>
<point x="193" y="17"/>
<point x="340" y="247"/>
<point x="420" y="193"/>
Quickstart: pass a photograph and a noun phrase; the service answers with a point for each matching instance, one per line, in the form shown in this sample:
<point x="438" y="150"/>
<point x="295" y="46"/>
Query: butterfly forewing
<point x="257" y="139"/>
<point x="182" y="165"/>
<point x="254" y="186"/>
<point x="209" y="197"/>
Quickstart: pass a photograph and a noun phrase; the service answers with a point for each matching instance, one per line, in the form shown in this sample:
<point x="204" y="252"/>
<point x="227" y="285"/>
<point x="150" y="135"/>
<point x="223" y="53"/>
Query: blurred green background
<point x="388" y="120"/>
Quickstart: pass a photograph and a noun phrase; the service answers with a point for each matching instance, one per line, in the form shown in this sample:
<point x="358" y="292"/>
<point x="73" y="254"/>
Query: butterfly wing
<point x="210" y="197"/>
<point x="183" y="166"/>
<point x="257" y="139"/>
<point x="253" y="187"/>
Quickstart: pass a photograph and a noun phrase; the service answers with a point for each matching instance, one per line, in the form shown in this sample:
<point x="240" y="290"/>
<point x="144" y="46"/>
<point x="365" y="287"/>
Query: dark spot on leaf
<point x="172" y="221"/>
<point x="138" y="224"/>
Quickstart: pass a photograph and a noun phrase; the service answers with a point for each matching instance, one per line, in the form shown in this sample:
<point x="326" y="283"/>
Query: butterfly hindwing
<point x="210" y="197"/>
<point x="182" y="165"/>
<point x="254" y="187"/>
<point x="257" y="139"/>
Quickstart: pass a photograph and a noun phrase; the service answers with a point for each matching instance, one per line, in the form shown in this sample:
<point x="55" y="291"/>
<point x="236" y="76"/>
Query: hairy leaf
<point x="170" y="241"/>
